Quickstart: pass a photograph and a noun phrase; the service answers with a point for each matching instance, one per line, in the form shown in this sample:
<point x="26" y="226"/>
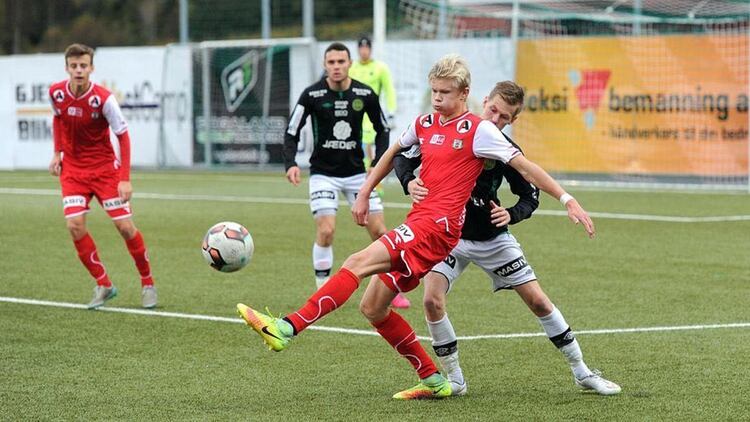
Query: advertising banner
<point x="248" y="105"/>
<point x="668" y="105"/>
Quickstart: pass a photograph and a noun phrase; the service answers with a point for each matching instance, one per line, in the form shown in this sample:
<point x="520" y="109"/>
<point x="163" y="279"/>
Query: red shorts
<point x="78" y="188"/>
<point x="415" y="247"/>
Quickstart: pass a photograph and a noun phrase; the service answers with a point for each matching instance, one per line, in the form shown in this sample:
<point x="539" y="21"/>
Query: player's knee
<point x="127" y="229"/>
<point x="371" y="312"/>
<point x="325" y="235"/>
<point x="355" y="262"/>
<point x="76" y="228"/>
<point x="434" y="306"/>
<point x="540" y="305"/>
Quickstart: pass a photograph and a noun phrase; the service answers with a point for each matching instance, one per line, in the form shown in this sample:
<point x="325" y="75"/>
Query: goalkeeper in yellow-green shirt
<point x="377" y="75"/>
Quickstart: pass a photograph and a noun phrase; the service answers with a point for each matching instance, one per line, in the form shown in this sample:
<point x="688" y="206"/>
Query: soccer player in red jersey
<point x="454" y="144"/>
<point x="86" y="163"/>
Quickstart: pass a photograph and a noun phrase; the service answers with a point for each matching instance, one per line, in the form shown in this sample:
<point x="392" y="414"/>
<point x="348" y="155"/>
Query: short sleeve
<point x="490" y="143"/>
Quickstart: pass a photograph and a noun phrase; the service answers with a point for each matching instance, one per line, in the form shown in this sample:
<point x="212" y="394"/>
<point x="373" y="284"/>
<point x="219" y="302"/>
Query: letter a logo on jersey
<point x="238" y="79"/>
<point x="58" y="95"/>
<point x="427" y="121"/>
<point x="95" y="101"/>
<point x="463" y="126"/>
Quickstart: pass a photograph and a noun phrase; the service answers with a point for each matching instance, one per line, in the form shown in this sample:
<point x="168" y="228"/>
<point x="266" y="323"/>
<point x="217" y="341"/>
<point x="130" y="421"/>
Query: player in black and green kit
<point x="486" y="241"/>
<point x="336" y="105"/>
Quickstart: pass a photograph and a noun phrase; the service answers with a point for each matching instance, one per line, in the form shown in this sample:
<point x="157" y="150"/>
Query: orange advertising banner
<point x="666" y="105"/>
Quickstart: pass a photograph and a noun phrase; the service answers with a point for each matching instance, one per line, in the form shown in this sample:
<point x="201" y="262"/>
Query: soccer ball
<point x="228" y="246"/>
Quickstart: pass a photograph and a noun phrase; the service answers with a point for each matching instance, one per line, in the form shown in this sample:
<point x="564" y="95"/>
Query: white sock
<point x="322" y="257"/>
<point x="445" y="344"/>
<point x="562" y="337"/>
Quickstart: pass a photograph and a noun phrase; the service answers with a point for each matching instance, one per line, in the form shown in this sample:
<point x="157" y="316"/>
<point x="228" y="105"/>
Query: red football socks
<point x="399" y="334"/>
<point x="137" y="249"/>
<point x="90" y="259"/>
<point x="329" y="297"/>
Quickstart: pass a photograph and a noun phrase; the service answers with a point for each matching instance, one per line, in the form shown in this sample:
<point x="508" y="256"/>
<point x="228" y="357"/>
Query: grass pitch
<point x="661" y="307"/>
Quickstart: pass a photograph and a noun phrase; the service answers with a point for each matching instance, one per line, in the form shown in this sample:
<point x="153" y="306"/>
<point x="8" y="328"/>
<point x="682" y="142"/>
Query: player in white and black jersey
<point x="336" y="105"/>
<point x="486" y="241"/>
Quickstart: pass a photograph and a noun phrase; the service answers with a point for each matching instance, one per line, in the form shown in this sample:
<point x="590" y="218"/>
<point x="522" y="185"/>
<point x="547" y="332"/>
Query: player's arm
<point x="361" y="207"/>
<point x="116" y="120"/>
<point x="297" y="121"/>
<point x="379" y="123"/>
<point x="405" y="164"/>
<point x="490" y="143"/>
<point x="55" y="165"/>
<point x="528" y="196"/>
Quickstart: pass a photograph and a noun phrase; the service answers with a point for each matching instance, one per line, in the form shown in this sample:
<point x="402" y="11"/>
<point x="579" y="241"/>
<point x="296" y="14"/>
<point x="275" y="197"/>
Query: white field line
<point x="299" y="201"/>
<point x="237" y="320"/>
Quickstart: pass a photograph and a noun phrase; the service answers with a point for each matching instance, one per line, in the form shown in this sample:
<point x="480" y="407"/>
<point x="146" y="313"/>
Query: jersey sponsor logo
<point x="58" y="95"/>
<point x="326" y="105"/>
<point x="345" y="145"/>
<point x="322" y="194"/>
<point x="512" y="267"/>
<point x="450" y="261"/>
<point x="426" y="121"/>
<point x="238" y="79"/>
<point x="113" y="204"/>
<point x="358" y="104"/>
<point x="458" y="143"/>
<point x="437" y="139"/>
<point x="75" y="111"/>
<point x="95" y="115"/>
<point x="317" y="94"/>
<point x="341" y="104"/>
<point x="74" y="201"/>
<point x="95" y="101"/>
<point x="342" y="130"/>
<point x="404" y="234"/>
<point x="362" y="91"/>
<point x="463" y="126"/>
<point x="340" y="113"/>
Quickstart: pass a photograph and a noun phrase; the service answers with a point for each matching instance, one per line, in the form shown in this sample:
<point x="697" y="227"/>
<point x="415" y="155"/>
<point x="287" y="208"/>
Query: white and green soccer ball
<point x="228" y="246"/>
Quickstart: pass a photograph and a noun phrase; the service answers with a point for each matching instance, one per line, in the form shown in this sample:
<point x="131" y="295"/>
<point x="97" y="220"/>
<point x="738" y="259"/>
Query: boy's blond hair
<point x="453" y="67"/>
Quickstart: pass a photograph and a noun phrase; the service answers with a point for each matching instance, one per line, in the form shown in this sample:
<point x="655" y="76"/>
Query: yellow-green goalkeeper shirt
<point x="377" y="75"/>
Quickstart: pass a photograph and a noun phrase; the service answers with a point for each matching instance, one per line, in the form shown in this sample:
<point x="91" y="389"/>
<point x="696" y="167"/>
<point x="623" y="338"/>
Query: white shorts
<point x="324" y="193"/>
<point x="501" y="258"/>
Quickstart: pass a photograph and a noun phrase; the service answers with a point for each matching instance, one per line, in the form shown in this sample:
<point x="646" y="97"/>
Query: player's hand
<point x="416" y="189"/>
<point x="361" y="209"/>
<point x="125" y="190"/>
<point x="55" y="166"/>
<point x="577" y="214"/>
<point x="293" y="175"/>
<point x="499" y="215"/>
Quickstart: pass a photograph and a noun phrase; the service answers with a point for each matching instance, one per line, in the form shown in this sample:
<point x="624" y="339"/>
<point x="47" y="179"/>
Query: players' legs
<point x="322" y="253"/>
<point x="324" y="194"/>
<point x="86" y="249"/>
<point x="393" y="328"/>
<point x="332" y="295"/>
<point x="554" y="325"/>
<point x="560" y="334"/>
<point x="437" y="283"/>
<point x="137" y="248"/>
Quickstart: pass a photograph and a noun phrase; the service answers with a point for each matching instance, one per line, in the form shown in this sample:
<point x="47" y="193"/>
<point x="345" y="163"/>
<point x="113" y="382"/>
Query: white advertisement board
<point x="137" y="79"/>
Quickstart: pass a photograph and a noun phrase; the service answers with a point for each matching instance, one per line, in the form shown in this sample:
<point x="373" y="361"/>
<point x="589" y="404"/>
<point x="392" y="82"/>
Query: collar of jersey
<point x="451" y="120"/>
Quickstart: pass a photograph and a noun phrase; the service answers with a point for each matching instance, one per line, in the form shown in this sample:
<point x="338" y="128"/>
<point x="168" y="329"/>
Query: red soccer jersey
<point x="84" y="123"/>
<point x="453" y="155"/>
